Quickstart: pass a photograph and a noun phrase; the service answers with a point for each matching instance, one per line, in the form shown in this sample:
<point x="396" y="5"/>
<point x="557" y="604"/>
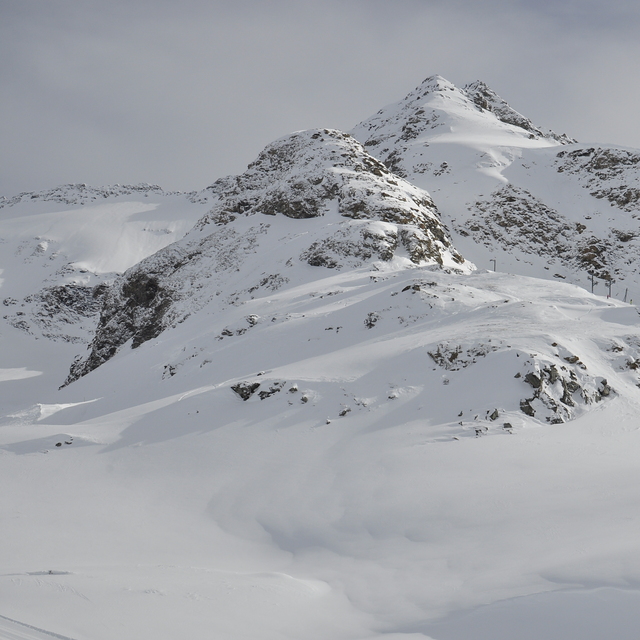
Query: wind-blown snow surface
<point x="362" y="490"/>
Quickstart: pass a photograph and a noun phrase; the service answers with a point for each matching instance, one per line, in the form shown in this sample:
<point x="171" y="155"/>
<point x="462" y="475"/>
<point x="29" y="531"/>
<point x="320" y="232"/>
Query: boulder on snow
<point x="245" y="389"/>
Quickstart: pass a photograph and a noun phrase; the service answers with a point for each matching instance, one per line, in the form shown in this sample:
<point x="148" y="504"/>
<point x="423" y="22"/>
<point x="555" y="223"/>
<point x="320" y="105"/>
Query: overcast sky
<point x="181" y="93"/>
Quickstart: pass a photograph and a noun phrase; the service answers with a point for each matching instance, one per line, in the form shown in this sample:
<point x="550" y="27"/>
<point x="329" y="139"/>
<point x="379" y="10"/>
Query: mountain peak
<point x="475" y="117"/>
<point x="430" y="86"/>
<point x="301" y="174"/>
<point x="437" y="83"/>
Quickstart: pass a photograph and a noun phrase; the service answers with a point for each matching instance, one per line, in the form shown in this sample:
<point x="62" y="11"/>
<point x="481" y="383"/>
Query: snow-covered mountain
<point x="537" y="202"/>
<point x="289" y="405"/>
<point x="76" y="238"/>
<point x="60" y="250"/>
<point x="313" y="199"/>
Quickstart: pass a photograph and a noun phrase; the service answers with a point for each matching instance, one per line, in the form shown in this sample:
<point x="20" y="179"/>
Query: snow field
<point x="366" y="524"/>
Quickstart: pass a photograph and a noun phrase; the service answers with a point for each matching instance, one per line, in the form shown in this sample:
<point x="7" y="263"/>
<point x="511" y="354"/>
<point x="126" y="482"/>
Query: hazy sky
<point x="181" y="93"/>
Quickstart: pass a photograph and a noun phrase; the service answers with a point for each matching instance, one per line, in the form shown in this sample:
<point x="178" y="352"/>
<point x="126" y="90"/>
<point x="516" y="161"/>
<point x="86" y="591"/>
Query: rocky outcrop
<point x="557" y="391"/>
<point x="517" y="221"/>
<point x="454" y="357"/>
<point x="308" y="173"/>
<point x="613" y="174"/>
<point x="515" y="217"/>
<point x="244" y="390"/>
<point x="79" y="194"/>
<point x="67" y="312"/>
<point x="134" y="309"/>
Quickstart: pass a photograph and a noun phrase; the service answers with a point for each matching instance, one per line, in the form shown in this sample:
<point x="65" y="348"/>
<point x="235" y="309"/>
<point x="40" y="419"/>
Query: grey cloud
<point x="182" y="93"/>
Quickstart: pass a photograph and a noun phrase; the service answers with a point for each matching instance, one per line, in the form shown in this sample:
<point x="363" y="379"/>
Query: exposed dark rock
<point x="140" y="289"/>
<point x="65" y="301"/>
<point x="347" y="245"/>
<point x="603" y="388"/>
<point x="245" y="389"/>
<point x="514" y="217"/>
<point x="568" y="389"/>
<point x="526" y="408"/>
<point x="558" y="391"/>
<point x="486" y="99"/>
<point x="592" y="255"/>
<point x="60" y="313"/>
<point x="133" y="309"/>
<point x="453" y="357"/>
<point x="276" y="387"/>
<point x="371" y="320"/>
<point x="169" y="371"/>
<point x="533" y="380"/>
<point x="605" y="173"/>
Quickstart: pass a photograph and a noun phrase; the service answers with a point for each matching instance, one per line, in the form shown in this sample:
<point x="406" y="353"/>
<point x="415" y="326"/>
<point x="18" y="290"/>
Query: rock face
<point x="613" y="174"/>
<point x="519" y="221"/>
<point x="558" y="391"/>
<point x="516" y="220"/>
<point x="514" y="215"/>
<point x="315" y="199"/>
<point x="62" y="313"/>
<point x="314" y="173"/>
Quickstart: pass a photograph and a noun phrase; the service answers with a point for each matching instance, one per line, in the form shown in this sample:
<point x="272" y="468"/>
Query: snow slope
<point x="314" y="198"/>
<point x="351" y="499"/>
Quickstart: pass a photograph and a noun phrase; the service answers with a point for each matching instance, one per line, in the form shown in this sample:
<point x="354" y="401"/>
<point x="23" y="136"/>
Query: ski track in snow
<point x="14" y="630"/>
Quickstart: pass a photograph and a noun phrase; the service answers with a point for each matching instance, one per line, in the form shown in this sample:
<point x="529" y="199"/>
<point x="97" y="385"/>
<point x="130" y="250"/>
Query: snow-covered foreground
<point x="588" y="614"/>
<point x="148" y="500"/>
